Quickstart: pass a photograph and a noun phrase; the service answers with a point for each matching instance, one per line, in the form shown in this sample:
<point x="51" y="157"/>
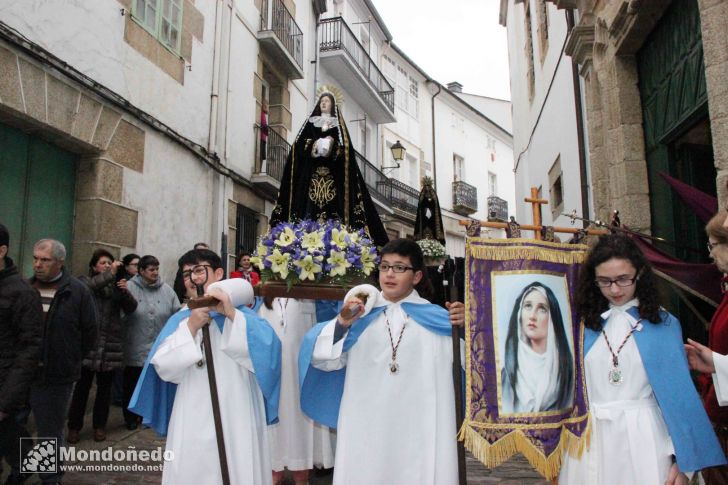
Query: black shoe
<point x="323" y="472"/>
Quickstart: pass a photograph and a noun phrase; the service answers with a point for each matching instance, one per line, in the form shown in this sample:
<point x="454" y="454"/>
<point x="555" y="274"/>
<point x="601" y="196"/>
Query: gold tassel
<point x="492" y="455"/>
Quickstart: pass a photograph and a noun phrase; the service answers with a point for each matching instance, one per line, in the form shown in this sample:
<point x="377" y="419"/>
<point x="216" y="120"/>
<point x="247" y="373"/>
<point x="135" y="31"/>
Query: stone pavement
<point x="516" y="471"/>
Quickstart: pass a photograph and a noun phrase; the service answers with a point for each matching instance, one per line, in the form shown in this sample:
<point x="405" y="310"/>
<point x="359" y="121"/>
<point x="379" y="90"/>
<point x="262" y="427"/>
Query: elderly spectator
<point x="717" y="341"/>
<point x="111" y="298"/>
<point x="21" y="333"/>
<point x="157" y="301"/>
<point x="71" y="327"/>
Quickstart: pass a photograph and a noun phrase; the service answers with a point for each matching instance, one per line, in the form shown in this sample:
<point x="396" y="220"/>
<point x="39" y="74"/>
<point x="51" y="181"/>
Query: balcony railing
<point x="336" y="35"/>
<point x="275" y="17"/>
<point x="464" y="198"/>
<point x="397" y="194"/>
<point x="497" y="209"/>
<point x="275" y="152"/>
<point x="402" y="196"/>
<point x="373" y="177"/>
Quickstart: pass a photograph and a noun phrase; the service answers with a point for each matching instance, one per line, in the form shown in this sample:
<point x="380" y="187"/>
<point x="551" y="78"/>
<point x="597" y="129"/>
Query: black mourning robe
<point x="329" y="187"/>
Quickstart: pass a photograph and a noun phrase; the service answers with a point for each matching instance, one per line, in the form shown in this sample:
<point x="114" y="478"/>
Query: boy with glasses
<point x="246" y="357"/>
<point x="381" y="374"/>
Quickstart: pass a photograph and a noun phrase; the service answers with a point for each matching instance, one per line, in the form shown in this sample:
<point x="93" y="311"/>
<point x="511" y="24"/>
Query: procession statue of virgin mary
<point x="321" y="178"/>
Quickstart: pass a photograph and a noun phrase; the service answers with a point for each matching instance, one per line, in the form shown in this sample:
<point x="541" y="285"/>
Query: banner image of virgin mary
<point x="321" y="179"/>
<point x="538" y="372"/>
<point x="525" y="390"/>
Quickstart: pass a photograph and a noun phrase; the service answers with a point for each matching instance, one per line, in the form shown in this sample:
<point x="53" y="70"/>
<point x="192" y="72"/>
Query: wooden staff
<point x="214" y="398"/>
<point x="457" y="375"/>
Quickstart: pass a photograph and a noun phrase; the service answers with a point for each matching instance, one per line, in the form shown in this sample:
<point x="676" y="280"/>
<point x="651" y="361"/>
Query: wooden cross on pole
<point x="536" y="227"/>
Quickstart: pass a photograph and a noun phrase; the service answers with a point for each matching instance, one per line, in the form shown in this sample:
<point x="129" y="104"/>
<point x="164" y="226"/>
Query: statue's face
<point x="325" y="105"/>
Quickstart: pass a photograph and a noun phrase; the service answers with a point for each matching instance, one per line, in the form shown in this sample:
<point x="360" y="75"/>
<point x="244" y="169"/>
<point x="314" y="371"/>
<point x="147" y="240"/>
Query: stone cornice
<point x="580" y="45"/>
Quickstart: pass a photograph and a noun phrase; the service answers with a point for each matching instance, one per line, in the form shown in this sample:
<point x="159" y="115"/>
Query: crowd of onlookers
<point x="60" y="333"/>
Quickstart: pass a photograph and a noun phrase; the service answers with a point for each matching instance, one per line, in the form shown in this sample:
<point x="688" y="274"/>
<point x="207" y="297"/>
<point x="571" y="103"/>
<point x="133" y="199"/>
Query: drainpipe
<point x="316" y="60"/>
<point x="434" y="153"/>
<point x="218" y="180"/>
<point x="583" y="172"/>
<point x="214" y="95"/>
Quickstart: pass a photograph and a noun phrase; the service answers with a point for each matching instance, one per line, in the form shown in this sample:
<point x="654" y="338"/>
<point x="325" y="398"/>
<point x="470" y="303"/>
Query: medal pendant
<point x="615" y="376"/>
<point x="393" y="367"/>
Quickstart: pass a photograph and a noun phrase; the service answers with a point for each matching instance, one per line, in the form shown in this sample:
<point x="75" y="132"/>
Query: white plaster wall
<point x="498" y="110"/>
<point x="471" y="144"/>
<point x="174" y="208"/>
<point x="89" y="35"/>
<point x="240" y="145"/>
<point x="414" y="133"/>
<point x="546" y="127"/>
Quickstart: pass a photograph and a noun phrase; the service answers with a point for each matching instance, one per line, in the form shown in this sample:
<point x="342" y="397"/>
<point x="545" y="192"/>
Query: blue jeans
<point x="49" y="403"/>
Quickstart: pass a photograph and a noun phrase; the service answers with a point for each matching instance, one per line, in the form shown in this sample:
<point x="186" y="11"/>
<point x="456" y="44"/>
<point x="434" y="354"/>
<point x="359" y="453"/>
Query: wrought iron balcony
<point x="349" y="62"/>
<point x="497" y="209"/>
<point x="402" y="196"/>
<point x="464" y="198"/>
<point x="269" y="161"/>
<point x="390" y="193"/>
<point x="281" y="39"/>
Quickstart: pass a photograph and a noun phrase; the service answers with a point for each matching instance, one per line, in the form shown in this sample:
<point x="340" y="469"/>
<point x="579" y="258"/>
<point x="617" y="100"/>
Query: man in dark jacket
<point x="71" y="328"/>
<point x="21" y="332"/>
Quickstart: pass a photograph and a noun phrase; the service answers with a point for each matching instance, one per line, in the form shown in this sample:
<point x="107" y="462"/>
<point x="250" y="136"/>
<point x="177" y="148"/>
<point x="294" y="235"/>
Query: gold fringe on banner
<point x="491" y="253"/>
<point x="492" y="455"/>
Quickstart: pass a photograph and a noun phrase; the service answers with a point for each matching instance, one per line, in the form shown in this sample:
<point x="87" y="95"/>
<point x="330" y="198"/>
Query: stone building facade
<point x="656" y="92"/>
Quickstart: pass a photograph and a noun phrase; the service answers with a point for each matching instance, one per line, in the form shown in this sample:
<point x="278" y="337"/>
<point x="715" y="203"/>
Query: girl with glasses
<point x="648" y="425"/>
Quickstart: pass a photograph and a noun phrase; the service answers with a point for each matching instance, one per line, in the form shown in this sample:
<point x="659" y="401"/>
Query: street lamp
<point x="398" y="151"/>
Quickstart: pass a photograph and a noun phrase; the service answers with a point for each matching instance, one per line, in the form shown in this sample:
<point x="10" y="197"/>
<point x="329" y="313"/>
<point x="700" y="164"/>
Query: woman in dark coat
<point x="321" y="179"/>
<point x="111" y="299"/>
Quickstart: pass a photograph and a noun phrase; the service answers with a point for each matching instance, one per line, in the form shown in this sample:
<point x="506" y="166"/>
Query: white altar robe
<point x="191" y="435"/>
<point x="630" y="443"/>
<point x="393" y="428"/>
<point x="720" y="378"/>
<point x="296" y="442"/>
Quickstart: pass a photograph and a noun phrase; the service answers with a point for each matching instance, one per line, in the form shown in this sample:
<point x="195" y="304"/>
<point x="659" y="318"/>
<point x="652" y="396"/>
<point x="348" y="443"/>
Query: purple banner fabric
<point x="524" y="379"/>
<point x="703" y="205"/>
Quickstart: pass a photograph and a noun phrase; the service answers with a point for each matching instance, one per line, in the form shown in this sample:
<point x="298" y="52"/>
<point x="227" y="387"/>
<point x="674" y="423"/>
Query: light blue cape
<point x="663" y="355"/>
<point x="321" y="391"/>
<point x="153" y="397"/>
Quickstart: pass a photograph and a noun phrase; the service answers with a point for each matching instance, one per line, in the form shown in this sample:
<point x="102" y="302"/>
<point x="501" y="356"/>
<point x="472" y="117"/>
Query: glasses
<point x="397" y="268"/>
<point x="198" y="271"/>
<point x="621" y="282"/>
<point x="133" y="264"/>
<point x="712" y="246"/>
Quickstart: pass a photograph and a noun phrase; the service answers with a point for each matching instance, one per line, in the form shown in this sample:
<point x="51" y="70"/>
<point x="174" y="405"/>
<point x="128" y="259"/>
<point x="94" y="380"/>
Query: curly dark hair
<point x="590" y="301"/>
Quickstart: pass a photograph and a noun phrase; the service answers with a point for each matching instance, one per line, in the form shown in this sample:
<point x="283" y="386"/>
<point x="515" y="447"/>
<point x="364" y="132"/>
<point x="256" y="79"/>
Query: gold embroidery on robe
<point x="321" y="191"/>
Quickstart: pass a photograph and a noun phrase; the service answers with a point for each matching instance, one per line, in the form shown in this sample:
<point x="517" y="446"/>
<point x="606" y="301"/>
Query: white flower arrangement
<point x="308" y="251"/>
<point x="431" y="248"/>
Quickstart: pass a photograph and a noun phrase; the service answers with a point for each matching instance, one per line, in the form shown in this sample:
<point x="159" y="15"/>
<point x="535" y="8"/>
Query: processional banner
<point x="525" y="385"/>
